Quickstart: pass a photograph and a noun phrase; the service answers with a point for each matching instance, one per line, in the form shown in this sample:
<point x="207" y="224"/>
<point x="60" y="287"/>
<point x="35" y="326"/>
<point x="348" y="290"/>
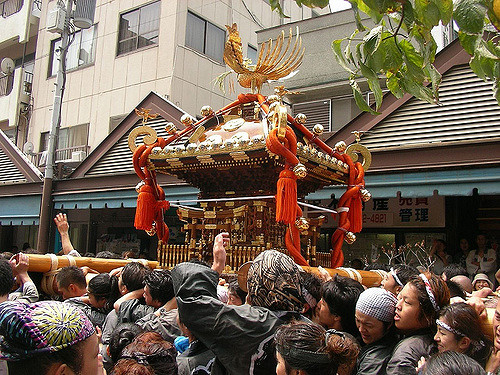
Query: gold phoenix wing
<point x="272" y="64"/>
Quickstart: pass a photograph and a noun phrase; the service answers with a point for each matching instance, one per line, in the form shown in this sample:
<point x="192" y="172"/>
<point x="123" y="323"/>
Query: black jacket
<point x="241" y="337"/>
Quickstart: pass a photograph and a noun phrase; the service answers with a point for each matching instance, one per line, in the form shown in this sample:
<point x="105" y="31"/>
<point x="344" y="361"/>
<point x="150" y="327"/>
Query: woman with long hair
<point x="419" y="304"/>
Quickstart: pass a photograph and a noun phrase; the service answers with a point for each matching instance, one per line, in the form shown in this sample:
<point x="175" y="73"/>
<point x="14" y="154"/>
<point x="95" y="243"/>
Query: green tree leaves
<point x="402" y="49"/>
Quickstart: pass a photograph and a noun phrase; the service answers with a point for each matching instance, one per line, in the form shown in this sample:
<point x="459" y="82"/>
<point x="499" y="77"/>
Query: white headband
<point x="393" y="273"/>
<point x="429" y="291"/>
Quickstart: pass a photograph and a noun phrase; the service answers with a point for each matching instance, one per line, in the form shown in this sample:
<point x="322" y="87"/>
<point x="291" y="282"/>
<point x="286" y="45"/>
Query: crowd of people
<point x="281" y="320"/>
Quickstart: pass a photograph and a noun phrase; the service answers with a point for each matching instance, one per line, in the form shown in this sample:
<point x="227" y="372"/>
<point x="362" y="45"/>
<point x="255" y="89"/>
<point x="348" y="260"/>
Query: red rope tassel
<point x="286" y="197"/>
<point x="292" y="241"/>
<point x="146" y="208"/>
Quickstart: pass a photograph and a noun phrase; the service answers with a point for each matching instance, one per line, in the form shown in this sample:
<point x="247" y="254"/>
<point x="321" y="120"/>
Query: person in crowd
<point x="123" y="335"/>
<point x="131" y="285"/>
<point x="452" y="270"/>
<point x="61" y="221"/>
<point x="375" y="311"/>
<point x="419" y="303"/>
<point x="311" y="291"/>
<point x="451" y="363"/>
<point x="159" y="294"/>
<point x="439" y="255"/>
<point x="71" y="282"/>
<point x="196" y="358"/>
<point x="306" y="348"/>
<point x="357" y="264"/>
<point x="48" y="338"/>
<point x="237" y="296"/>
<point x="274" y="298"/>
<point x="6" y="280"/>
<point x="493" y="364"/>
<point x="482" y="260"/>
<point x="26" y="290"/>
<point x="481" y="281"/>
<point x="397" y="278"/>
<point x="132" y="305"/>
<point x="459" y="329"/>
<point x="147" y="354"/>
<point x="464" y="283"/>
<point x="455" y="289"/>
<point x="462" y="253"/>
<point x="338" y="304"/>
<point x="103" y="291"/>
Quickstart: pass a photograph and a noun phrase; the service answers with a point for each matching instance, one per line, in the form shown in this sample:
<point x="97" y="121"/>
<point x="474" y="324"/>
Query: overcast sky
<point x="336" y="5"/>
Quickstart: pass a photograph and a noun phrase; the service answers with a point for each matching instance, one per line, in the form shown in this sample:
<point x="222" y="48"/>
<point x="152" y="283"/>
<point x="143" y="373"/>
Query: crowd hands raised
<point x="279" y="320"/>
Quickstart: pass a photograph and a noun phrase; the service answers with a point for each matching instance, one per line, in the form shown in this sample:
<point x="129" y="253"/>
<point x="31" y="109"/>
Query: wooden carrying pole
<point x="46" y="263"/>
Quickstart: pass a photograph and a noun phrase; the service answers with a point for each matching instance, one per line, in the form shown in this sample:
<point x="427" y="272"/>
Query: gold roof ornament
<point x="145" y="114"/>
<point x="272" y="63"/>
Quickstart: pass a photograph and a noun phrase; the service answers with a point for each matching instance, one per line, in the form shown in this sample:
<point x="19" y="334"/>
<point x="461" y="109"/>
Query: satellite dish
<point x="7" y="65"/>
<point x="28" y="148"/>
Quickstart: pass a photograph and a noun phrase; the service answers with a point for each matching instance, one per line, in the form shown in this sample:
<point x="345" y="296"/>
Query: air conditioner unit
<point x="78" y="155"/>
<point x="56" y="20"/>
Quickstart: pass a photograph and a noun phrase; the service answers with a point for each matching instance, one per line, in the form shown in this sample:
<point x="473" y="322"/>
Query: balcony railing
<point x="6" y="83"/>
<point x="9" y="7"/>
<point x="40" y="158"/>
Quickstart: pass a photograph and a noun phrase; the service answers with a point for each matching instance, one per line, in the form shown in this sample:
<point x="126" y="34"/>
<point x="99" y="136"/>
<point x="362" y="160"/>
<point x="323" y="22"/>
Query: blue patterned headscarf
<point x="42" y="327"/>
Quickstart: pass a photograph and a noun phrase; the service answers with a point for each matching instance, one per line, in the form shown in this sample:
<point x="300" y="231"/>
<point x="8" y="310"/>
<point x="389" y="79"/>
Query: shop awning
<point x="20" y="210"/>
<point x="118" y="198"/>
<point x="423" y="184"/>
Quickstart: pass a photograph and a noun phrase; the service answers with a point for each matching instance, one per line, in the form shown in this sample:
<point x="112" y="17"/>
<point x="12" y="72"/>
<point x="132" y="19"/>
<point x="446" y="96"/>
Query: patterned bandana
<point x="41" y="327"/>
<point x="274" y="282"/>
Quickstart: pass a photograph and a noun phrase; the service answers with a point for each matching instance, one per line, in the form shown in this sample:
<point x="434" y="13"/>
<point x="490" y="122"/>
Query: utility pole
<point x="46" y="204"/>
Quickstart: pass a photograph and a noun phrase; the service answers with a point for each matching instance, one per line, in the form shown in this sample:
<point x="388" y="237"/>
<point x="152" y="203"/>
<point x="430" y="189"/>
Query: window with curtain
<point x="81" y="51"/>
<point x="205" y="37"/>
<point x="139" y="28"/>
<point x="69" y="138"/>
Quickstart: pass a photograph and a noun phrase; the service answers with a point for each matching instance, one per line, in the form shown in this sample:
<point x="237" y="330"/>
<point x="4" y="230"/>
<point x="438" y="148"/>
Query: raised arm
<point x="62" y="225"/>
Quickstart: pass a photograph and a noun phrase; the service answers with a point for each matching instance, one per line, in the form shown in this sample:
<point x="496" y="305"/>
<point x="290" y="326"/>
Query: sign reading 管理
<point x="396" y="212"/>
<point x="404" y="212"/>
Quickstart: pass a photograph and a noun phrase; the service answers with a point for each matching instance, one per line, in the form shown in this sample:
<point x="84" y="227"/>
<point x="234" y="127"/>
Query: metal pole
<point x="46" y="204"/>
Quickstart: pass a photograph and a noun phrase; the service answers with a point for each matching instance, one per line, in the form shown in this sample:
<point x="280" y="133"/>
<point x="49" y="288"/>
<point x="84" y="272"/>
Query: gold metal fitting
<point x="274" y="106"/>
<point x="349" y="238"/>
<point x="300" y="170"/>
<point x="139" y="185"/>
<point x="186" y="119"/>
<point x="318" y="129"/>
<point x="301" y="118"/>
<point x="302" y="224"/>
<point x="206" y="110"/>
<point x="340" y="146"/>
<point x="152" y="231"/>
<point x="365" y="195"/>
<point x="170" y="128"/>
<point x="273" y="99"/>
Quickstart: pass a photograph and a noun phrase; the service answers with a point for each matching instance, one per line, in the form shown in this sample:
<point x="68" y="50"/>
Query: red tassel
<point x="356" y="213"/>
<point x="146" y="207"/>
<point x="286" y="197"/>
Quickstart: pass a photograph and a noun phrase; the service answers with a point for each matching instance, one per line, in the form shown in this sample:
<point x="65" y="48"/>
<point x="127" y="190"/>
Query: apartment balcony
<point x="15" y="94"/>
<point x="71" y="156"/>
<point x="18" y="21"/>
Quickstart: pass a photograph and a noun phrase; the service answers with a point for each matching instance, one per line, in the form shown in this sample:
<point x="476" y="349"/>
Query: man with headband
<point x="240" y="336"/>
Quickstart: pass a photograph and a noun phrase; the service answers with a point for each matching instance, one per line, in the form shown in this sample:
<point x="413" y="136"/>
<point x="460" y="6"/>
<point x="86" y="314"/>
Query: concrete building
<point x="173" y="48"/>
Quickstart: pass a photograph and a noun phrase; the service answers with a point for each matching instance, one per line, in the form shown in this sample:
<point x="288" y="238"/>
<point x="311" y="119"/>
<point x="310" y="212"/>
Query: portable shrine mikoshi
<point x="251" y="160"/>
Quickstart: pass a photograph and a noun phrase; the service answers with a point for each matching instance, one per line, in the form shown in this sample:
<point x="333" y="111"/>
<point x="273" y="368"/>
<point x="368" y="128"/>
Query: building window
<point x="10" y="7"/>
<point x="139" y="28"/>
<point x="73" y="139"/>
<point x="205" y="37"/>
<point x="252" y="53"/>
<point x="81" y="51"/>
